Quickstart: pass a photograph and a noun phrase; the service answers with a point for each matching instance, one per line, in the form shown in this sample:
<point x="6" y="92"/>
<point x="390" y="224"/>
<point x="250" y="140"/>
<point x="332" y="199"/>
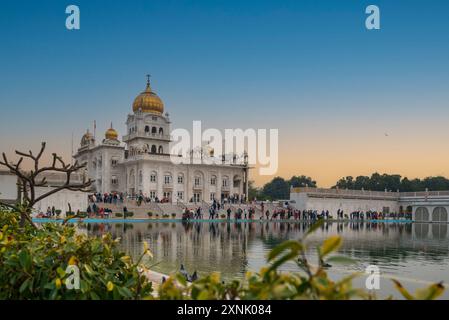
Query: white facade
<point x="61" y="200"/>
<point x="8" y="187"/>
<point x="141" y="164"/>
<point x="346" y="200"/>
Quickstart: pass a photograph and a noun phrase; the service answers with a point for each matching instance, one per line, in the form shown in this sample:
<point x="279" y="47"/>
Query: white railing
<point x="346" y="192"/>
<point x="147" y="134"/>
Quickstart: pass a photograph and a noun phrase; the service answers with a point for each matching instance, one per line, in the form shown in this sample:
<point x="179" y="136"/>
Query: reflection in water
<point x="415" y="251"/>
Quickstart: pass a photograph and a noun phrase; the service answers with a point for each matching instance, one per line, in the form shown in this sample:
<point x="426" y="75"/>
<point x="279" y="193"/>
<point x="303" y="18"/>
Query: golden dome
<point x="148" y="101"/>
<point x="87" y="138"/>
<point x="111" y="134"/>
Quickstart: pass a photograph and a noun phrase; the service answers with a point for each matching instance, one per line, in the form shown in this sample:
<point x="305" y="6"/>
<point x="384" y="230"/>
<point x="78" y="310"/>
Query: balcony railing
<point x="168" y="185"/>
<point x="198" y="186"/>
<point x="147" y="135"/>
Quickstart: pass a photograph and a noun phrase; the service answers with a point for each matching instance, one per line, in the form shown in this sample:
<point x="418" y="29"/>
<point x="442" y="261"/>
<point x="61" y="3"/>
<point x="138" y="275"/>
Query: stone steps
<point x="141" y="212"/>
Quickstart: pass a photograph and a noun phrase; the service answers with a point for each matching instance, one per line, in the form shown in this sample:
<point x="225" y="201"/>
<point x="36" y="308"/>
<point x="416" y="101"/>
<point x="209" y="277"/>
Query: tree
<point x="435" y="183"/>
<point x="277" y="189"/>
<point x="392" y="182"/>
<point x="252" y="191"/>
<point x="302" y="181"/>
<point x="345" y="183"/>
<point x="28" y="181"/>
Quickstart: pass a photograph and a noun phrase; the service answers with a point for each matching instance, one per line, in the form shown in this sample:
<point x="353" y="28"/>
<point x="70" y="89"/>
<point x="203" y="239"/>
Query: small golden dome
<point x="111" y="134"/>
<point x="87" y="138"/>
<point x="148" y="101"/>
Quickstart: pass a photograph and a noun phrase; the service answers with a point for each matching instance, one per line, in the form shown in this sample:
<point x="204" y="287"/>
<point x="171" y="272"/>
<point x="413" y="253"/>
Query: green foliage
<point x="392" y="182"/>
<point x="33" y="264"/>
<point x="82" y="214"/>
<point x="279" y="188"/>
<point x="173" y="215"/>
<point x="119" y="214"/>
<point x="302" y="181"/>
<point x="150" y="214"/>
<point x="128" y="214"/>
<point x="430" y="293"/>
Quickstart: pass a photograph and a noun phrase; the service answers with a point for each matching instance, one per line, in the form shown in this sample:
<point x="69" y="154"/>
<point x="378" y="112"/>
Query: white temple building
<point x="141" y="163"/>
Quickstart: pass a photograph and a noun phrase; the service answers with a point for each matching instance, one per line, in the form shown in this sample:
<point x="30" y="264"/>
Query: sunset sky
<point x="346" y="101"/>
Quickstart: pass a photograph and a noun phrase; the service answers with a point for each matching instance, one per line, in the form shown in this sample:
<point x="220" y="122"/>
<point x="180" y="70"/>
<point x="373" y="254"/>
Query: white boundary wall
<point x="303" y="201"/>
<point x="61" y="199"/>
<point x="8" y="186"/>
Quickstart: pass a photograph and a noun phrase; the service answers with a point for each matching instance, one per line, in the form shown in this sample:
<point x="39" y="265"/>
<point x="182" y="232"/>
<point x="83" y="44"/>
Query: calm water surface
<point x="415" y="254"/>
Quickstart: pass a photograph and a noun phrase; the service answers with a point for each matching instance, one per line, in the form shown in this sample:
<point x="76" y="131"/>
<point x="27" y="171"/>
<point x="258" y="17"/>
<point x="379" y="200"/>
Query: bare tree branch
<point x="28" y="181"/>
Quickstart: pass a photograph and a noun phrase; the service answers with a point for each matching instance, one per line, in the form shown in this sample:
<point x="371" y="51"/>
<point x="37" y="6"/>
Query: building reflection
<point x="233" y="248"/>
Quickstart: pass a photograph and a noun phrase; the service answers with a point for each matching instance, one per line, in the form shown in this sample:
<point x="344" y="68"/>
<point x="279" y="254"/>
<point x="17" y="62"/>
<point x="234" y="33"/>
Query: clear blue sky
<point x="309" y="68"/>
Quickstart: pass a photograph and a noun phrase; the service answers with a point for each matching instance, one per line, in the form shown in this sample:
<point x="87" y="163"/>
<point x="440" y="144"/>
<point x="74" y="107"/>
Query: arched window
<point x="180" y="178"/>
<point x="236" y="181"/>
<point x="161" y="131"/>
<point x="422" y="214"/>
<point x="213" y="180"/>
<point x="153" y="149"/>
<point x="147" y="129"/>
<point x="198" y="180"/>
<point x="439" y="214"/>
<point x="161" y="150"/>
<point x="154" y="130"/>
<point x="167" y="178"/>
<point x="153" y="176"/>
<point x="140" y="177"/>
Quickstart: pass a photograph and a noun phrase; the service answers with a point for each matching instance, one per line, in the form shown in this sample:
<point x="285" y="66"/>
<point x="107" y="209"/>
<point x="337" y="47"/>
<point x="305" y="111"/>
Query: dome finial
<point x="148" y="81"/>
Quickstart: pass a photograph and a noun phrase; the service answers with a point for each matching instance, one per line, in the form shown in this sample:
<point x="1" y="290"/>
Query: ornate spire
<point x="148" y="83"/>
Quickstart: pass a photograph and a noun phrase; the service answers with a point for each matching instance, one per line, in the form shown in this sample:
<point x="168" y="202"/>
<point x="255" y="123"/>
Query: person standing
<point x="211" y="212"/>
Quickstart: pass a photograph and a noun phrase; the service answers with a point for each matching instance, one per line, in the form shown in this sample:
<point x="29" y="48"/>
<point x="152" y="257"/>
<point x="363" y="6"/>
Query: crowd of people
<point x="282" y="211"/>
<point x="143" y="198"/>
<point x="113" y="197"/>
<point x="286" y="212"/>
<point x="50" y="213"/>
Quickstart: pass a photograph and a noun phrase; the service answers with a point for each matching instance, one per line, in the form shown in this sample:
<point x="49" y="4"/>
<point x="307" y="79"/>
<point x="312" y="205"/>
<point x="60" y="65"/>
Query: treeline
<point x="279" y="188"/>
<point x="392" y="182"/>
